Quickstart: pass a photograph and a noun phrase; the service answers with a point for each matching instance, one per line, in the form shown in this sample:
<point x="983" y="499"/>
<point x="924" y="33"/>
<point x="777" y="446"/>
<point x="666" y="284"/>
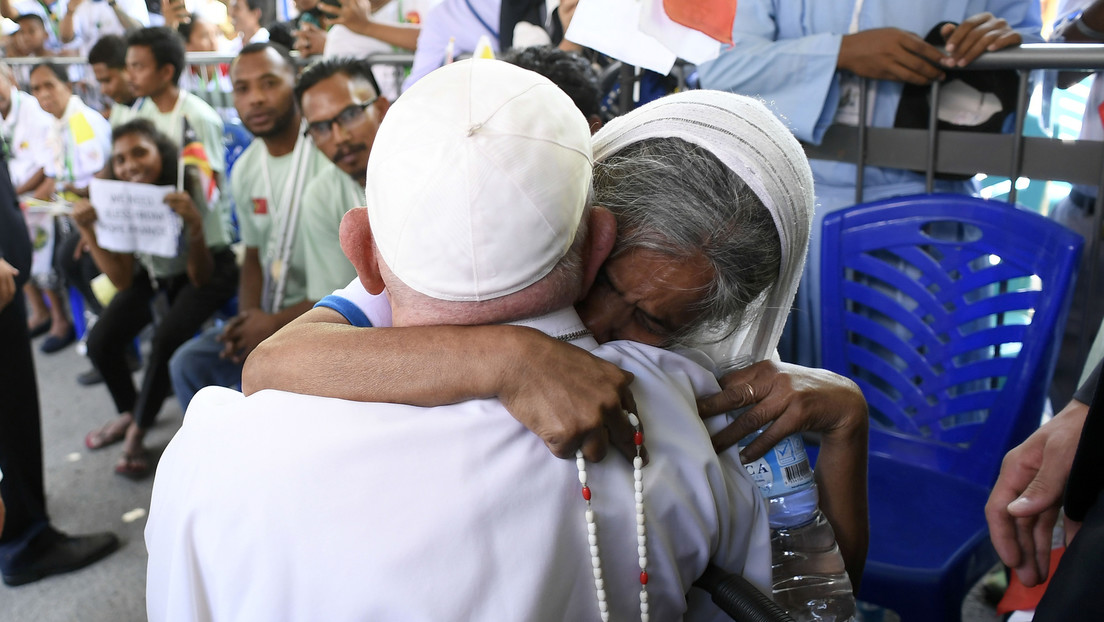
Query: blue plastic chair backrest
<point x="236" y="138"/>
<point x="944" y="309"/>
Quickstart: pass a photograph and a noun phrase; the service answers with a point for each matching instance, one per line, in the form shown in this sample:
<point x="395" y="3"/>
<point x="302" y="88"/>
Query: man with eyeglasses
<point x="342" y="107"/>
<point x="289" y="257"/>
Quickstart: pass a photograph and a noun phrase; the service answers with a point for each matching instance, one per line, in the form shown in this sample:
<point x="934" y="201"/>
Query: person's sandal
<point x="105" y="435"/>
<point x="134" y="466"/>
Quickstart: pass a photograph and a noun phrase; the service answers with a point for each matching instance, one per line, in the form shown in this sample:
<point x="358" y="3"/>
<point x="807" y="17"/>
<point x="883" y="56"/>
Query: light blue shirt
<point x="785" y="52"/>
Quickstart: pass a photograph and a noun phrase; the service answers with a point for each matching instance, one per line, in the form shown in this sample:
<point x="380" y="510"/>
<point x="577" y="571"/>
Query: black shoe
<point x="94" y="377"/>
<point x="57" y="553"/>
<point x="90" y="377"/>
<point x="54" y="343"/>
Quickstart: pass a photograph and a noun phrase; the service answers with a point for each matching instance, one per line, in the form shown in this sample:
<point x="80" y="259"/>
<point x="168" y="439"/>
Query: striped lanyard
<point x="278" y="255"/>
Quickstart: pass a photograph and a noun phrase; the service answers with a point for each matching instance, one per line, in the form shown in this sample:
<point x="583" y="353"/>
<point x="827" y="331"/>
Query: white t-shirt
<point x="24" y="129"/>
<point x="293" y="507"/>
<point x="95" y="18"/>
<point x="79" y="144"/>
<point x="340" y="41"/>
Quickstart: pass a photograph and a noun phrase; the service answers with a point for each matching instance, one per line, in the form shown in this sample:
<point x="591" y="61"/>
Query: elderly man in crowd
<point x="507" y="162"/>
<point x="292" y="254"/>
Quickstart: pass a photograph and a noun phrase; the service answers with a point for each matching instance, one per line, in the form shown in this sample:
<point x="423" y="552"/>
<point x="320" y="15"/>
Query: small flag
<point x="193" y="154"/>
<point x="483" y="48"/>
<point x="260" y="205"/>
<point x="712" y="17"/>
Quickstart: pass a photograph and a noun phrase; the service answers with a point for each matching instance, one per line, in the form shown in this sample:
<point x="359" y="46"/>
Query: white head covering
<point x="500" y="163"/>
<point x="754" y="144"/>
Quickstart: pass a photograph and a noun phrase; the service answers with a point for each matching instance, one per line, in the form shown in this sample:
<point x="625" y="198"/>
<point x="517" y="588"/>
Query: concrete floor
<point x="85" y="495"/>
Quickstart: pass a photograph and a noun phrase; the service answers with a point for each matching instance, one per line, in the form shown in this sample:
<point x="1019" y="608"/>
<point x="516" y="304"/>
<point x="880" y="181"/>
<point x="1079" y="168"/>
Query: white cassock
<point x="290" y="507"/>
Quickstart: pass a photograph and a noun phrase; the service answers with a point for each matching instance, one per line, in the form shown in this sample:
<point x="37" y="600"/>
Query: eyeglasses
<point x="347" y="118"/>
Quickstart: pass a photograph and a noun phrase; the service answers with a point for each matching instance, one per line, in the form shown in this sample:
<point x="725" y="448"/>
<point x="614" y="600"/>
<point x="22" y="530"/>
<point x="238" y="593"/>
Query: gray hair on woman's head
<point x="673" y="197"/>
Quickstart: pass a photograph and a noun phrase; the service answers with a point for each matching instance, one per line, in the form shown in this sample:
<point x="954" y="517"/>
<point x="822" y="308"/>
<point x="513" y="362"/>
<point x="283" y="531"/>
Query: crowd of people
<point x="558" y="273"/>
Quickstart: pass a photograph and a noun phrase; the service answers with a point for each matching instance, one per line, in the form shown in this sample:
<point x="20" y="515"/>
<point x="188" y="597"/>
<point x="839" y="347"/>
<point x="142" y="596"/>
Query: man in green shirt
<point x="283" y="270"/>
<point x="343" y="109"/>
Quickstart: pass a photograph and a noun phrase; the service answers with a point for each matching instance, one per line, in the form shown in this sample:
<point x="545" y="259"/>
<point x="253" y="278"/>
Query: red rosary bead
<point x="586" y="492"/>
<point x="638" y="437"/>
<point x="643" y="578"/>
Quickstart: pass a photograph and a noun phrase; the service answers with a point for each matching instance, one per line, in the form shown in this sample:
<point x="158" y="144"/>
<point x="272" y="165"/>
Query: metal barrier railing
<point x="1012" y="155"/>
<point x="933" y="151"/>
<point x="208" y="86"/>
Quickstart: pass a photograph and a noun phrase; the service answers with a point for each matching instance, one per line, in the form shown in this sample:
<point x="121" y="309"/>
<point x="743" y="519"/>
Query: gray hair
<point x="673" y="197"/>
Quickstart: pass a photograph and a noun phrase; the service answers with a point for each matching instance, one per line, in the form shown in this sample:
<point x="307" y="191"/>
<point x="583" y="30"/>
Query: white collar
<point x="563" y="324"/>
<point x="75" y="104"/>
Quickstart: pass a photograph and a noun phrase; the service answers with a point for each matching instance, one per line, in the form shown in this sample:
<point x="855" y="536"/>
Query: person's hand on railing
<point x="890" y="54"/>
<point x="976" y="35"/>
<point x="310" y="40"/>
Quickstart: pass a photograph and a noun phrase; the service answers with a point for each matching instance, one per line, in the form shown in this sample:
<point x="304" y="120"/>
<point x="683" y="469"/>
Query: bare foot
<point x="134" y="437"/>
<point x="110" y="433"/>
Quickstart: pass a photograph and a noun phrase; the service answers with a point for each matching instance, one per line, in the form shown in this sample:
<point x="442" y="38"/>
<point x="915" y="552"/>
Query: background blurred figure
<point x="23" y="124"/>
<point x="108" y="61"/>
<point x="185" y="289"/>
<point x="30" y="548"/>
<point x="247" y="17"/>
<point x="1080" y="21"/>
<point x="79" y="144"/>
<point x="85" y="21"/>
<point x="806" y="58"/>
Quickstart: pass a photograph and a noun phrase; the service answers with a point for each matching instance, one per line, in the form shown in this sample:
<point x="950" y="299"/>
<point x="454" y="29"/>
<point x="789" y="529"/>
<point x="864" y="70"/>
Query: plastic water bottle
<point x="809" y="579"/>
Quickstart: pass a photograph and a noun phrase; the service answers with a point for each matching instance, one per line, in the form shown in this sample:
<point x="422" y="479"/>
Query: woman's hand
<point x="570" y="398"/>
<point x="791" y="399"/>
<point x="84" y="214"/>
<point x="185" y="207"/>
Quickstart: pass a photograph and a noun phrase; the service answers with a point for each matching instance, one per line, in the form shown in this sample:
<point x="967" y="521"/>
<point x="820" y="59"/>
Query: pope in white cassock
<point x="283" y="506"/>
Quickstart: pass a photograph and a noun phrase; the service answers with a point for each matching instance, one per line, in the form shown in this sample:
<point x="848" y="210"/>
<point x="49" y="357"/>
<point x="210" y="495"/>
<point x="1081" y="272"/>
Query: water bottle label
<point x="784" y="469"/>
<point x="794" y="463"/>
<point x="762" y="475"/>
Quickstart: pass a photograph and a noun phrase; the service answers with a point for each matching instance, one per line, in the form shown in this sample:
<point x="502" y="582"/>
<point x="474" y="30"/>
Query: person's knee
<point x="99" y="344"/>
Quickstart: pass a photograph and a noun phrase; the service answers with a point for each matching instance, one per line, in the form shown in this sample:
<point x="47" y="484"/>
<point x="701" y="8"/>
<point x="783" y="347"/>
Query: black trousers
<point x="186" y="308"/>
<point x="1074" y="591"/>
<point x="78" y="272"/>
<point x="20" y="437"/>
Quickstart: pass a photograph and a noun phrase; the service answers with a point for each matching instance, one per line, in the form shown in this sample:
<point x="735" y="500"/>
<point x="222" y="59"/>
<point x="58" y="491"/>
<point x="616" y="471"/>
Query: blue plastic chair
<point x="944" y="309"/>
<point x="236" y="138"/>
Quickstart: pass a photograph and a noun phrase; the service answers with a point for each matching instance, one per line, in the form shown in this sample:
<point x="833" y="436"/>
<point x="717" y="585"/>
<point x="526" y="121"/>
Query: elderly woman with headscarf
<point x="713" y="200"/>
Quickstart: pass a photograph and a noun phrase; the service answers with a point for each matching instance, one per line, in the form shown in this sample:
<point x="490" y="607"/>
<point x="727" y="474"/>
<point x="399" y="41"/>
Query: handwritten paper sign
<point x="133" y="217"/>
